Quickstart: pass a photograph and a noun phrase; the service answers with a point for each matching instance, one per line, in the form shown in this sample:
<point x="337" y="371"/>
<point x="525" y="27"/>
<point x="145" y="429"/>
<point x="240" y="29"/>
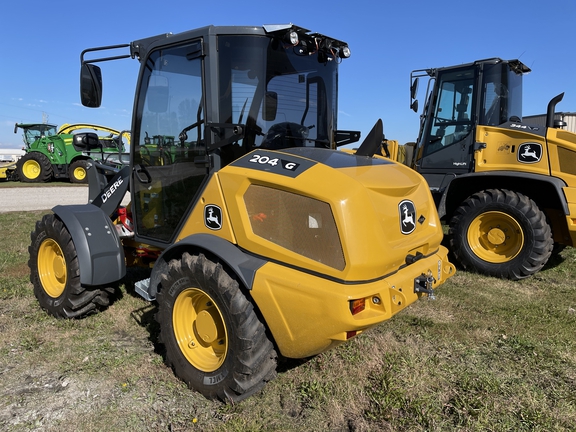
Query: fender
<point x="460" y="187"/>
<point x="243" y="264"/>
<point x="98" y="248"/>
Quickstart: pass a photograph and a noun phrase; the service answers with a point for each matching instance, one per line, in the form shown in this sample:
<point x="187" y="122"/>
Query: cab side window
<point x="452" y="113"/>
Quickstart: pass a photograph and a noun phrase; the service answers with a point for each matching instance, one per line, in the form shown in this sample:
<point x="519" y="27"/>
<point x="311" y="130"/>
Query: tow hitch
<point x="423" y="284"/>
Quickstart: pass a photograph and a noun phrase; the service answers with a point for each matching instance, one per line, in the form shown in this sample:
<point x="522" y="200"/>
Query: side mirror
<point x="413" y="94"/>
<point x="414" y="88"/>
<point x="90" y="85"/>
<point x="270" y="106"/>
<point x="85" y="141"/>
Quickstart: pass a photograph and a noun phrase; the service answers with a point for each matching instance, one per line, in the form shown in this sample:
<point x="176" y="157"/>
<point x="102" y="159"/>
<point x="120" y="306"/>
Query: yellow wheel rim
<point x="31" y="169"/>
<point x="495" y="237"/>
<point x="52" y="268"/>
<point x="79" y="173"/>
<point x="200" y="330"/>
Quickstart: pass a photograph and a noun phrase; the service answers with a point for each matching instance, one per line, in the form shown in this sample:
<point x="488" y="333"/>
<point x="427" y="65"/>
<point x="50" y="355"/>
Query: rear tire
<point x="501" y="233"/>
<point x="78" y="171"/>
<point x="214" y="340"/>
<point x="34" y="167"/>
<point x="55" y="273"/>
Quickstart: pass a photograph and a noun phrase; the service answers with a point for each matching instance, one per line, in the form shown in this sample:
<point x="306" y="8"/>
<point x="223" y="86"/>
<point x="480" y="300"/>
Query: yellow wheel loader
<point x="507" y="189"/>
<point x="262" y="238"/>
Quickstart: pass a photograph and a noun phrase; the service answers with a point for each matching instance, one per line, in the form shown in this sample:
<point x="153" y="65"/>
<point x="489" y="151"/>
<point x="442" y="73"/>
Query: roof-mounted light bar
<point x="306" y="43"/>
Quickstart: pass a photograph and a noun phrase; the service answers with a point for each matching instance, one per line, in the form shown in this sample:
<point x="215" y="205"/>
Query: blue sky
<point x="40" y="55"/>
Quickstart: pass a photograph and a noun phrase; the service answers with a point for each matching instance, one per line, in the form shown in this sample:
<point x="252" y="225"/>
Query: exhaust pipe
<point x="551" y="109"/>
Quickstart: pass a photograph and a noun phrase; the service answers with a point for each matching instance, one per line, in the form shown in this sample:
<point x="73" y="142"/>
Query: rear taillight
<point x="357" y="306"/>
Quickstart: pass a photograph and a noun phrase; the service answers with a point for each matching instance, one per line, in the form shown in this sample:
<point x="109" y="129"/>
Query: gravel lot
<point x="41" y="198"/>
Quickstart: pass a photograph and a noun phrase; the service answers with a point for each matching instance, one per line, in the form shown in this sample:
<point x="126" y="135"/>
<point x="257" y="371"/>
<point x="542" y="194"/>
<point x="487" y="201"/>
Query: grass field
<point x="487" y="355"/>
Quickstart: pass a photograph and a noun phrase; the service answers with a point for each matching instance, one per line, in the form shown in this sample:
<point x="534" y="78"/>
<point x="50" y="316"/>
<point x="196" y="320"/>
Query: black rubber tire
<point x="55" y="273"/>
<point x="248" y="359"/>
<point x="38" y="160"/>
<point x="536" y="236"/>
<point x="76" y="167"/>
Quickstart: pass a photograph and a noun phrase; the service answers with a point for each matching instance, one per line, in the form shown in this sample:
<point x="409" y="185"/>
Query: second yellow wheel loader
<point x="506" y="188"/>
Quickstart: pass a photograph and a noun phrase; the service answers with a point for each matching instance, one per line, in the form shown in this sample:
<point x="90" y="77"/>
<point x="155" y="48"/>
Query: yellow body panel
<point x="308" y="315"/>
<point x="364" y="202"/>
<point x="562" y="154"/>
<point x="501" y="148"/>
<point x="3" y="170"/>
<point x="562" y="150"/>
<point x="394" y="150"/>
<point x="212" y="194"/>
<point x="558" y="160"/>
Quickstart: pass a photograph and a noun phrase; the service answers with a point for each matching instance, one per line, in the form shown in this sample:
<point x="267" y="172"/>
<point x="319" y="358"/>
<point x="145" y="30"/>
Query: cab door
<point x="444" y="150"/>
<point x="168" y="149"/>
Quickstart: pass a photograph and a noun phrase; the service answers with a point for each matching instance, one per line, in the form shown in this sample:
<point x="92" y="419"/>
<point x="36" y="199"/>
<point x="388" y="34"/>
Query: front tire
<point x="501" y="233"/>
<point x="214" y="340"/>
<point x="78" y="171"/>
<point x="34" y="167"/>
<point x="55" y="273"/>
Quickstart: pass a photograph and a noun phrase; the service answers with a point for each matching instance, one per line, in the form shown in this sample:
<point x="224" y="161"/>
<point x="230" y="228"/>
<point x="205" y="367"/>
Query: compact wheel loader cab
<point x="507" y="189"/>
<point x="262" y="238"/>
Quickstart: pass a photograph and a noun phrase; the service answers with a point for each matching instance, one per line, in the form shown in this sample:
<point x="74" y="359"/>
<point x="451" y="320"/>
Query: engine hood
<point x="382" y="211"/>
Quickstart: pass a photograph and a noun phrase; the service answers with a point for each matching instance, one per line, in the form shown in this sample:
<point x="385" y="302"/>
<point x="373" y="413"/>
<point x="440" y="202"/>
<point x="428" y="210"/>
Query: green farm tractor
<point x="50" y="153"/>
<point x="159" y="150"/>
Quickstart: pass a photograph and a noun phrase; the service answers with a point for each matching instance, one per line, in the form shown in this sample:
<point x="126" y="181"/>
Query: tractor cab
<point x="34" y="131"/>
<point x="209" y="96"/>
<point x="458" y="99"/>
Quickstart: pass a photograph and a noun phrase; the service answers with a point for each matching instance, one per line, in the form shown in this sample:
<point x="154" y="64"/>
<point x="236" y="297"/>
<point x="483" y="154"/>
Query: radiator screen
<point x="298" y="223"/>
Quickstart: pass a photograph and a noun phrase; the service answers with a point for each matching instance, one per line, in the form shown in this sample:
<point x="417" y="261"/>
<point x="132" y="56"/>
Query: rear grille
<point x="298" y="223"/>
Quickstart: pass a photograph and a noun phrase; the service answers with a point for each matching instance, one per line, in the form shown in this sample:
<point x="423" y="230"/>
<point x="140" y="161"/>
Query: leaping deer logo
<point x="529" y="153"/>
<point x="407" y="216"/>
<point x="213" y="217"/>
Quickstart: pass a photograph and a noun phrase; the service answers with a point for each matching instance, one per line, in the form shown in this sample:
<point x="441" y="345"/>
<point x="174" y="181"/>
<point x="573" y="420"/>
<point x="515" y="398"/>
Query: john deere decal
<point x="407" y="216"/>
